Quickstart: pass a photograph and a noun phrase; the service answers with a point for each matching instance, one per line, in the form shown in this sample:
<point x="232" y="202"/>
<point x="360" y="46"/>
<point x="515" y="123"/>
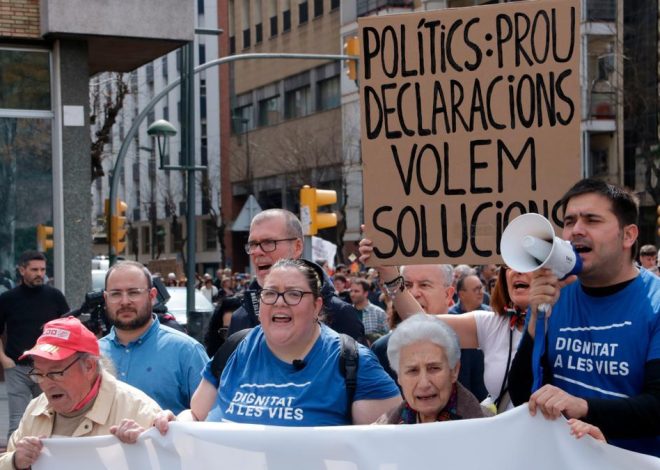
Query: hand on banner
<point x="127" y="431"/>
<point x="544" y="290"/>
<point x="553" y="402"/>
<point x="580" y="428"/>
<point x="27" y="452"/>
<point x="162" y="420"/>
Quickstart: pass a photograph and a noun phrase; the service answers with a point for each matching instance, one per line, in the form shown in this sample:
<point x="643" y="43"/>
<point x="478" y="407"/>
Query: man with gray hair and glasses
<point x="431" y="286"/>
<point x="277" y="234"/>
<point x="79" y="397"/>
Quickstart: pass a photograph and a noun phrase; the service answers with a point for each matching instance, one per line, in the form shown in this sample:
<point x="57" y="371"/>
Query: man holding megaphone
<point x="591" y="348"/>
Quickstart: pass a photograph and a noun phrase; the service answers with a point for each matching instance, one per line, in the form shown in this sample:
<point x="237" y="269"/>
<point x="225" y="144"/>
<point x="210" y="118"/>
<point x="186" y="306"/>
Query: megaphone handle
<point x="543" y="313"/>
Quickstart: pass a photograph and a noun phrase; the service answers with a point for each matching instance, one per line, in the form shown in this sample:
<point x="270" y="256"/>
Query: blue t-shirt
<point x="163" y="363"/>
<point x="259" y="388"/>
<point x="598" y="346"/>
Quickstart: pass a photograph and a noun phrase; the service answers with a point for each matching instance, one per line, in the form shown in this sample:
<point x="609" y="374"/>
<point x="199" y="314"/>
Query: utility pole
<point x="188" y="147"/>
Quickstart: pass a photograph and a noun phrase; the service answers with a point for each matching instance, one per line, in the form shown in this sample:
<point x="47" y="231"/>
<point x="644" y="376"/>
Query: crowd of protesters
<point x="300" y="324"/>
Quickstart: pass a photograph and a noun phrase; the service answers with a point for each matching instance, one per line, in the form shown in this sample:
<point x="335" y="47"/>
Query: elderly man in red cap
<point x="79" y="397"/>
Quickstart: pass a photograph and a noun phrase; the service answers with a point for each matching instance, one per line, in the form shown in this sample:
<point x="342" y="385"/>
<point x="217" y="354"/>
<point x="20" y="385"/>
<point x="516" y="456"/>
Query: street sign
<point x="249" y="210"/>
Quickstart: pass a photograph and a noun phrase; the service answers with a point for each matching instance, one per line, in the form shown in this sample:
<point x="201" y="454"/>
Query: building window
<point x="210" y="235"/>
<point x="232" y="45"/>
<point x="269" y="111"/>
<point x="146" y="240"/>
<point x="298" y="102"/>
<point x="334" y="4"/>
<point x="243" y="119"/>
<point x="163" y="66"/>
<point x="246" y="38"/>
<point x="303" y="14"/>
<point x="286" y="21"/>
<point x="328" y="95"/>
<point x="200" y="7"/>
<point x="204" y="151"/>
<point x="273" y="26"/>
<point x="202" y="98"/>
<point x="318" y="8"/>
<point x="176" y="237"/>
<point x="202" y="54"/>
<point x="258" y="33"/>
<point x="25" y="78"/>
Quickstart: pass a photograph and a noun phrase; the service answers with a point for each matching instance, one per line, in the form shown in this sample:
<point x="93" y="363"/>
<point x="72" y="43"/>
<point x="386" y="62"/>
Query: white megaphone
<point x="529" y="243"/>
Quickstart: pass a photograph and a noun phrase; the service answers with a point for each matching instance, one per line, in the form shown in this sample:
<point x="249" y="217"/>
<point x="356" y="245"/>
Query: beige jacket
<point x="116" y="400"/>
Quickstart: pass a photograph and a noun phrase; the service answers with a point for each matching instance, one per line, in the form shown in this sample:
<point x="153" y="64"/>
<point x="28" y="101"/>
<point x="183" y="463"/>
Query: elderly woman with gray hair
<point x="425" y="354"/>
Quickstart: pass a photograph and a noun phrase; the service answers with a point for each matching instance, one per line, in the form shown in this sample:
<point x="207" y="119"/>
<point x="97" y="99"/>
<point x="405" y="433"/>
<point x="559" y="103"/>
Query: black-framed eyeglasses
<point x="291" y="297"/>
<point x="266" y="245"/>
<point x="56" y="375"/>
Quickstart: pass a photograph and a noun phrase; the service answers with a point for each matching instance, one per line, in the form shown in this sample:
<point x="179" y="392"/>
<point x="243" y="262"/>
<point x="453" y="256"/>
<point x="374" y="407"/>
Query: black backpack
<point x="348" y="361"/>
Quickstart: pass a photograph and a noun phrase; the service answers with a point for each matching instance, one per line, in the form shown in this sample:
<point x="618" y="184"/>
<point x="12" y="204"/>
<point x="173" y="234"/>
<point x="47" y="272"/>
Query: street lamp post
<point x="162" y="130"/>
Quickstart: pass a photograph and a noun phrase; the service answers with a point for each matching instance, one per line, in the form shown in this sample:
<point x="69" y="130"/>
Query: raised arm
<point x="406" y="305"/>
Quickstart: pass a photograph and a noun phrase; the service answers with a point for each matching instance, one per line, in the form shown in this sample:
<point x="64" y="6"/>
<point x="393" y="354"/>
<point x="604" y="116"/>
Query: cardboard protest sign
<point x="470" y="117"/>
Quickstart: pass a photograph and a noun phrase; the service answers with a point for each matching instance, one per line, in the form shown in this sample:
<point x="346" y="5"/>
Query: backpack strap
<point x="221" y="356"/>
<point x="348" y="367"/>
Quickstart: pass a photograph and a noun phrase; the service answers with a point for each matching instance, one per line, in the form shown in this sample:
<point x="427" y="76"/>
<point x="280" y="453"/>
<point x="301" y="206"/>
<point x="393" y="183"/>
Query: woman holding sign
<point x="496" y="333"/>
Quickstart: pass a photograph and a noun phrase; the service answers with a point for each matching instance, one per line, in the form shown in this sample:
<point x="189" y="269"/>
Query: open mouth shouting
<point x="426" y="397"/>
<point x="263" y="268"/>
<point x="579" y="248"/>
<point x="281" y="318"/>
<point x="520" y="286"/>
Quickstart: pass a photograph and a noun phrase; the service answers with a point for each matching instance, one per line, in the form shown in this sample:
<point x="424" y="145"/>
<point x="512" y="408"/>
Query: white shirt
<point x="493" y="335"/>
<point x="209" y="292"/>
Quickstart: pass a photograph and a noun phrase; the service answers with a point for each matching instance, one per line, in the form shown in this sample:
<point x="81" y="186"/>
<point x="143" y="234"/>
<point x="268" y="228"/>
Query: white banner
<point x="511" y="441"/>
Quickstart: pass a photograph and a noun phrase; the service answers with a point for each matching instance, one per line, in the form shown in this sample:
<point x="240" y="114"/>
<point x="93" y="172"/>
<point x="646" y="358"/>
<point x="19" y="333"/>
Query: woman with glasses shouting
<point x="286" y="371"/>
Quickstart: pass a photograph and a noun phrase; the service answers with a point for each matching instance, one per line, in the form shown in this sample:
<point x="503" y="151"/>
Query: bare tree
<point x="209" y="190"/>
<point x="641" y="97"/>
<point x="105" y="103"/>
<point x="305" y="153"/>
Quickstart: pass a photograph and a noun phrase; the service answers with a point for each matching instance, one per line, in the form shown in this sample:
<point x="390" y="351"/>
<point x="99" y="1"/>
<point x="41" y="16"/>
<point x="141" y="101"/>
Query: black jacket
<point x="339" y="315"/>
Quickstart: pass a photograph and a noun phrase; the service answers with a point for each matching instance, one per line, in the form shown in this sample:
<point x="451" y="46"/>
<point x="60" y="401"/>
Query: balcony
<point x="122" y="34"/>
<point x="600" y="10"/>
<point x="602" y="105"/>
<point x="368" y="7"/>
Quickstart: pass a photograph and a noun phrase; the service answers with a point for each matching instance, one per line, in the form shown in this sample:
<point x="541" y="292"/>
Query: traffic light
<point x="44" y="237"/>
<point x="352" y="48"/>
<point x="117" y="229"/>
<point x="310" y="200"/>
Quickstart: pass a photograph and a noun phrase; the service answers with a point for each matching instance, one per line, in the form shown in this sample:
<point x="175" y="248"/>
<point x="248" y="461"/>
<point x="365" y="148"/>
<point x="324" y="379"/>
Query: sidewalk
<point x="4" y="415"/>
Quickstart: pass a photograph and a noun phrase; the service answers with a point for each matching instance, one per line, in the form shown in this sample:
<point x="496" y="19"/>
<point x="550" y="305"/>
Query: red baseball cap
<point x="62" y="338"/>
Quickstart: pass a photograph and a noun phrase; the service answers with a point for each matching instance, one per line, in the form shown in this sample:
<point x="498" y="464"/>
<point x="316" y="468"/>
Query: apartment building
<point x="285" y="114"/>
<point x="156" y="198"/>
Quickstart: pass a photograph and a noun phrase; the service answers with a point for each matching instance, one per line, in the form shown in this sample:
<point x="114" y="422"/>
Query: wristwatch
<point x="393" y="287"/>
